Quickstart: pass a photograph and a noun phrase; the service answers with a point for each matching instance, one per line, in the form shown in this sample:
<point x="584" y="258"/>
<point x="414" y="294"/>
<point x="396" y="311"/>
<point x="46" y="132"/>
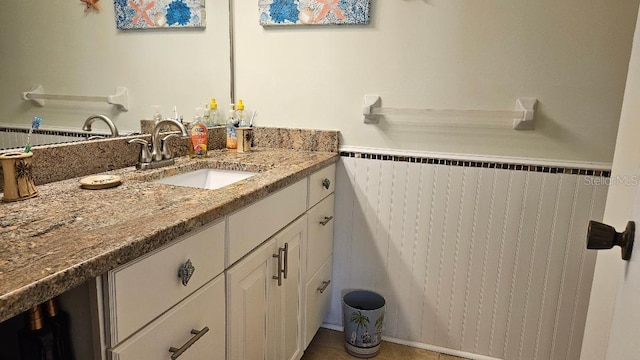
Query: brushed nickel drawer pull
<point x="326" y="183"/>
<point x="279" y="271"/>
<point x="175" y="352"/>
<point x="326" y="220"/>
<point x="286" y="259"/>
<point x="186" y="271"/>
<point x="324" y="286"/>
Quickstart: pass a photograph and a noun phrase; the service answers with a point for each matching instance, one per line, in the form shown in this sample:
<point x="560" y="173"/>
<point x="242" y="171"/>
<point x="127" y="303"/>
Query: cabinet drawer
<point x="205" y="308"/>
<point x="321" y="184"/>
<point x="317" y="303"/>
<point x="143" y="289"/>
<point x="250" y="226"/>
<point x="320" y="234"/>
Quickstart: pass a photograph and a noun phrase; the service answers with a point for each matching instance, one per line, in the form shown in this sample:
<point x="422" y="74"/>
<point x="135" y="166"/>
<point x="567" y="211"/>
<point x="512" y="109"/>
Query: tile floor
<point x="328" y="345"/>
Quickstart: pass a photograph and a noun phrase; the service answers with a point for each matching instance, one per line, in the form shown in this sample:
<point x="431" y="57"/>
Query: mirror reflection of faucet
<point x="91" y="119"/>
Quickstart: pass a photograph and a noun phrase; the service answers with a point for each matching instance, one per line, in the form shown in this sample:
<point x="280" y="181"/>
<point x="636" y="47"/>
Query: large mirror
<point x="67" y="51"/>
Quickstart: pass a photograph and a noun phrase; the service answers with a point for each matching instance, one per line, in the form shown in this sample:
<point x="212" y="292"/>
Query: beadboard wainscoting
<point x="14" y="137"/>
<point x="479" y="256"/>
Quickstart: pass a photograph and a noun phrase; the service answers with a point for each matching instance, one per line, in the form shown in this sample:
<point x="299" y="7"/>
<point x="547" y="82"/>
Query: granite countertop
<point x="68" y="235"/>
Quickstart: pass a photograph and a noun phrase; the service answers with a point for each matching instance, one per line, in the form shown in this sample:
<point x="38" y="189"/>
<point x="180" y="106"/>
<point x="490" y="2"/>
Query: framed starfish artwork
<point x="152" y="14"/>
<point x="313" y="12"/>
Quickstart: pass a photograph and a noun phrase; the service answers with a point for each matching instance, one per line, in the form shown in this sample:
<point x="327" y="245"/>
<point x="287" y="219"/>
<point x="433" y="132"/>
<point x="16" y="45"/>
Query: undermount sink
<point x="207" y="178"/>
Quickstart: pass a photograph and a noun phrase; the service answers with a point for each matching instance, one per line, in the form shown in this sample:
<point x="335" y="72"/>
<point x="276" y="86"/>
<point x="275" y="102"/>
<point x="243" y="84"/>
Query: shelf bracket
<point x="528" y="107"/>
<point x="370" y="101"/>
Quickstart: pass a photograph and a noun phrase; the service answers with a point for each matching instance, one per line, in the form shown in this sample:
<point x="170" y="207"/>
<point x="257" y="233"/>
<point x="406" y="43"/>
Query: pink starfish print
<point x="91" y="5"/>
<point x="141" y="13"/>
<point x="329" y="5"/>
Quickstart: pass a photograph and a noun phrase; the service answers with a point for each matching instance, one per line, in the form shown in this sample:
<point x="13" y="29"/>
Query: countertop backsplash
<point x="69" y="160"/>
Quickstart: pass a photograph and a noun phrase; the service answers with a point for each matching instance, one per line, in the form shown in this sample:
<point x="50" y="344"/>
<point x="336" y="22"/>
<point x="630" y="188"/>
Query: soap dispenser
<point x="241" y="116"/>
<point x="213" y="114"/>
<point x="232" y="140"/>
<point x="199" y="136"/>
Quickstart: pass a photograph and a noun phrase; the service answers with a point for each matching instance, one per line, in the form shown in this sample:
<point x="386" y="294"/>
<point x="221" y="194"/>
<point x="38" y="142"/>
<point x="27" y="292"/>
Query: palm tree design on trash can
<point x="379" y="327"/>
<point x="360" y="320"/>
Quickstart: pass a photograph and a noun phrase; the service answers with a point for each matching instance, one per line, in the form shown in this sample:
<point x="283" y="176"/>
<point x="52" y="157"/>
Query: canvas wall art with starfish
<point x="149" y="14"/>
<point x="313" y="12"/>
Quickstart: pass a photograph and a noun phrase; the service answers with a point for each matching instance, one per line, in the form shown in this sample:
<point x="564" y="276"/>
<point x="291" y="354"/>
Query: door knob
<point x="601" y="236"/>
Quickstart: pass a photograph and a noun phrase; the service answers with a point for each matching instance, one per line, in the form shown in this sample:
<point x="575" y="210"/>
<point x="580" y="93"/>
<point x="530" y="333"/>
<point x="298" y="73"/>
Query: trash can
<point x="363" y="317"/>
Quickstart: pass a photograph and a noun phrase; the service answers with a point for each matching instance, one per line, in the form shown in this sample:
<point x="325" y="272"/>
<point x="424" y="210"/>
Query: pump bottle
<point x="232" y="139"/>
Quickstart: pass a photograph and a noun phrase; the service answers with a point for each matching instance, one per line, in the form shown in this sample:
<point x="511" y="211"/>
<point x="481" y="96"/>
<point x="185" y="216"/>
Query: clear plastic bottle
<point x="232" y="139"/>
<point x="241" y="115"/>
<point x="206" y="117"/>
<point x="214" y="114"/>
<point x="157" y="116"/>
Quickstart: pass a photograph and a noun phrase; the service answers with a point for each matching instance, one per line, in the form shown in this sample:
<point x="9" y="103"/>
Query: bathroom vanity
<point x="243" y="271"/>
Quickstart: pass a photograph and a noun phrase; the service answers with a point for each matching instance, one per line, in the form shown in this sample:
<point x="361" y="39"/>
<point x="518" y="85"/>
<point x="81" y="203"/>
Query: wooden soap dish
<point x="97" y="182"/>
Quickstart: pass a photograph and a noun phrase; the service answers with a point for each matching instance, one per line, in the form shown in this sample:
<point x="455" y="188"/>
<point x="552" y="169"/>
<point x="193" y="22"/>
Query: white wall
<point x="415" y="53"/>
<point x="457" y="54"/>
<point x="53" y="43"/>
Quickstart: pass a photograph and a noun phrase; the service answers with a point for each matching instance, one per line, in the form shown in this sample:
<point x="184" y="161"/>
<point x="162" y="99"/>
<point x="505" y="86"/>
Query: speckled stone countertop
<point x="68" y="235"/>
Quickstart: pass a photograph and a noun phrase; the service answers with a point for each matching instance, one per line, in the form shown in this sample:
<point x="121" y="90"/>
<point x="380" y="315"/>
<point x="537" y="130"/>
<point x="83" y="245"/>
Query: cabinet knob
<point x="186" y="271"/>
<point x="602" y="236"/>
<point x="326" y="183"/>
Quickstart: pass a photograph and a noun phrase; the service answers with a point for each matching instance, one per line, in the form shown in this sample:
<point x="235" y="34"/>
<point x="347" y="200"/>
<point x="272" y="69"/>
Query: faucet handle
<point x="145" y="154"/>
<point x="166" y="153"/>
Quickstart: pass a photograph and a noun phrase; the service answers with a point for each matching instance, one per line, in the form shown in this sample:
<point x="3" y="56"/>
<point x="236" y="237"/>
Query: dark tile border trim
<point x="44" y="132"/>
<point x="478" y="164"/>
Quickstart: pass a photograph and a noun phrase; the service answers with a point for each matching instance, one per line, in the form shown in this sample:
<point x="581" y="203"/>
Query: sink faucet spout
<point x="156" y="141"/>
<point x="92" y="118"/>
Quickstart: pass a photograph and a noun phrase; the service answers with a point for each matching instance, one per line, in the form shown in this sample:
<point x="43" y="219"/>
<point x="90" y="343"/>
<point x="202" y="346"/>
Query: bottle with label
<point x="36" y="340"/>
<point x="59" y="322"/>
<point x="232" y="140"/>
<point x="199" y="136"/>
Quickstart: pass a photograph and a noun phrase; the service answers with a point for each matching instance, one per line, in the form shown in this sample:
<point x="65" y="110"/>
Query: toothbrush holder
<point x="18" y="176"/>
<point x="245" y="138"/>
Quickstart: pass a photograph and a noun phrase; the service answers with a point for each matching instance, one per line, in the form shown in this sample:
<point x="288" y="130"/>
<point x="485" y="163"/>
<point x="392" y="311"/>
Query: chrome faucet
<point x="92" y="118"/>
<point x="157" y="142"/>
<point x="159" y="155"/>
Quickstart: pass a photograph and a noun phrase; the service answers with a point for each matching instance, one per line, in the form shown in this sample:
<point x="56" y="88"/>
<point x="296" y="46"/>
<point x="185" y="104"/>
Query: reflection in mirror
<point x="68" y="52"/>
<point x="12" y="137"/>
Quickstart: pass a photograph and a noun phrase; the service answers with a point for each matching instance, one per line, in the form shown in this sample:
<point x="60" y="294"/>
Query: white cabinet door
<point x="250" y="284"/>
<point x="264" y="312"/>
<point x="287" y="336"/>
